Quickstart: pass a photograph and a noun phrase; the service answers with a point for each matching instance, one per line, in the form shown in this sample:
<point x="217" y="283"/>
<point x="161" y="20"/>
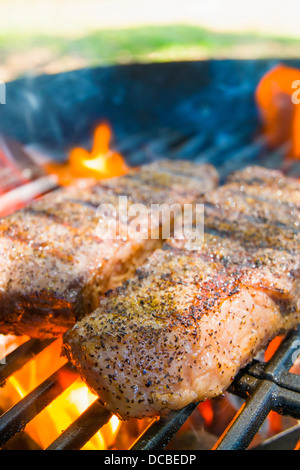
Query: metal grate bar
<point x="20" y="356"/>
<point x="16" y="418"/>
<point x="265" y="386"/>
<point x="161" y="431"/>
<point x="286" y="440"/>
<point x="267" y="396"/>
<point x="83" y="429"/>
<point x="277" y="370"/>
<point x="242" y="429"/>
<point x="286" y="380"/>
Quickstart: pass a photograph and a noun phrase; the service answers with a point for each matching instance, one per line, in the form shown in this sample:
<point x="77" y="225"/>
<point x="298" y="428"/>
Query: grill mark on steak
<point x="88" y="204"/>
<point x="54" y="266"/>
<point x="58" y="219"/>
<point x="182" y="327"/>
<point x="225" y="229"/>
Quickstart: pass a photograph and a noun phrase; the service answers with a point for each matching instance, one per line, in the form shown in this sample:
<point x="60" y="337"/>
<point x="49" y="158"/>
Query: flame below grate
<point x="46" y="404"/>
<point x="44" y="395"/>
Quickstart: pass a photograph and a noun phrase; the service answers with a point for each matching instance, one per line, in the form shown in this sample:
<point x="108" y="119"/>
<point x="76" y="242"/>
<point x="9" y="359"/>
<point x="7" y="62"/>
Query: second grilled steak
<point x="183" y="326"/>
<point x="54" y="262"/>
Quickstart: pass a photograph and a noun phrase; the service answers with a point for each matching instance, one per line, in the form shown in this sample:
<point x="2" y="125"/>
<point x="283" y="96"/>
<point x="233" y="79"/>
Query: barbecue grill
<point x="264" y="386"/>
<point x="186" y="132"/>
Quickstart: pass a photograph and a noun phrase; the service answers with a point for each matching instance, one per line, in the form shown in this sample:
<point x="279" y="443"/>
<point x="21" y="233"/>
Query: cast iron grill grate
<point x="264" y="386"/>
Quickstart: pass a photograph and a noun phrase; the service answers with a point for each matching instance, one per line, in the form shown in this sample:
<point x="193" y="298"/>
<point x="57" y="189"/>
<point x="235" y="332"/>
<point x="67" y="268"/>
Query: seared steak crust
<point x="54" y="264"/>
<point x="182" y="327"/>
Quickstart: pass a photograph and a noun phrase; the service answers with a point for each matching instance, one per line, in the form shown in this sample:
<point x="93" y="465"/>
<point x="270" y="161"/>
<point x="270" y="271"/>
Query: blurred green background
<point x="50" y="36"/>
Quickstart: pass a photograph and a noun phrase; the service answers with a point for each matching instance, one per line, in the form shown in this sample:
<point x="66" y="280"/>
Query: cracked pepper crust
<point x="182" y="327"/>
<point x="55" y="266"/>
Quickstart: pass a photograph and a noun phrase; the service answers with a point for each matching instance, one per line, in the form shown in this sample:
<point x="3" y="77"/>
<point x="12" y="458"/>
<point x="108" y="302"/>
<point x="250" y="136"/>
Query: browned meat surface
<point x="54" y="263"/>
<point x="182" y="327"/>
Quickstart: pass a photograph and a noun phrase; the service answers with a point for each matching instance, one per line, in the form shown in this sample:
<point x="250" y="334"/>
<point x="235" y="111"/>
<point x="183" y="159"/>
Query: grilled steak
<point x="54" y="262"/>
<point x="190" y="318"/>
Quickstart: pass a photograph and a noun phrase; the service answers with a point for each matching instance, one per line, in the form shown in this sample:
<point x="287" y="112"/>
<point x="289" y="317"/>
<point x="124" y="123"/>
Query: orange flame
<point x="207" y="412"/>
<point x="277" y="99"/>
<point x="100" y="163"/>
<point x="68" y="406"/>
<point x="272" y="347"/>
<point x="8" y="343"/>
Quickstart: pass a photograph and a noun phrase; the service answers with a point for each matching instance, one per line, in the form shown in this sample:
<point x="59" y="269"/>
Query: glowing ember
<point x="277" y="99"/>
<point x="100" y="163"/>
